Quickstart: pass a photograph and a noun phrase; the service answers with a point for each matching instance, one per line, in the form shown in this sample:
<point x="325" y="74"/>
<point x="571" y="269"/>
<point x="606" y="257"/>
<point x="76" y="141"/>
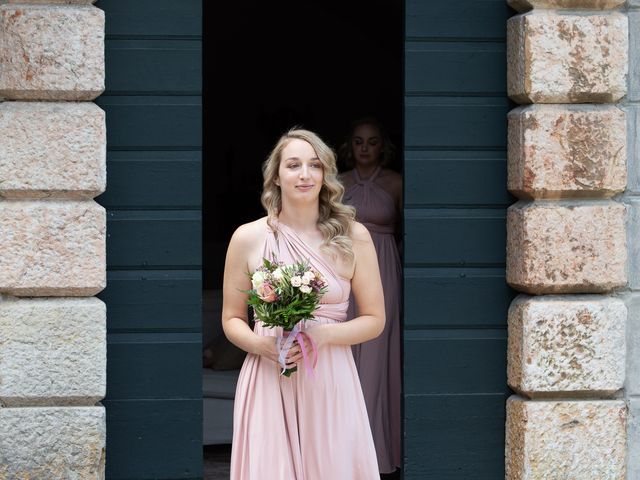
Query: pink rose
<point x="266" y="293"/>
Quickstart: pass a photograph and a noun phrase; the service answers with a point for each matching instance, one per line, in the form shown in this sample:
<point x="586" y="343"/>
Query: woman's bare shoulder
<point x="246" y="244"/>
<point x="391" y="181"/>
<point x="359" y="233"/>
<point x="390" y="176"/>
<point x="250" y="233"/>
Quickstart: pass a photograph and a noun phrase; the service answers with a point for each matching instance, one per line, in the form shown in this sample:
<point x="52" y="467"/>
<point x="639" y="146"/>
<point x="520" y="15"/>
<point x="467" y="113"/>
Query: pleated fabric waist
<point x="333" y="311"/>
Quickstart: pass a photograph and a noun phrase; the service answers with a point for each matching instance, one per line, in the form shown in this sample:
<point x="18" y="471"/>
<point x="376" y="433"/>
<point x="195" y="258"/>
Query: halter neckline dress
<point x="378" y="360"/>
<point x="299" y="427"/>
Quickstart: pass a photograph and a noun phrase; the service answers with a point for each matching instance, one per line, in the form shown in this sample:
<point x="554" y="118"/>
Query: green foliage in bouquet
<point x="283" y="295"/>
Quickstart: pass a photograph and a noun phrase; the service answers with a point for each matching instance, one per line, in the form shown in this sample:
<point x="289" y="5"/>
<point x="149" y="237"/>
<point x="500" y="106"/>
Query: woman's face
<point x="300" y="174"/>
<point x="366" y="144"/>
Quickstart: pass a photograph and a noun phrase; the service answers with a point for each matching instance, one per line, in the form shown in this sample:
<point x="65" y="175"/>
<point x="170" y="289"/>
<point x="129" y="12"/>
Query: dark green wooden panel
<point x="455" y="298"/>
<point x="451" y="178"/>
<point x="455" y="361"/>
<point x="153" y="300"/>
<point x="455" y="237"/>
<point x="154" y="365"/>
<point x="148" y="180"/>
<point x="153" y="123"/>
<point x="463" y="68"/>
<point x="456" y="122"/>
<point x="433" y="297"/>
<point x="454" y="437"/>
<point x="153" y="105"/>
<point x="164" y="18"/>
<point x="154" y="238"/>
<point x="481" y="19"/>
<point x="154" y="66"/>
<point x="154" y="439"/>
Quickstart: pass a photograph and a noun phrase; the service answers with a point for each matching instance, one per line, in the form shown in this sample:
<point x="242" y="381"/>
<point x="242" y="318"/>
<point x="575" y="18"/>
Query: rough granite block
<point x="52" y="150"/>
<point x="557" y="57"/>
<point x="566" y="345"/>
<point x="52" y="351"/>
<point x="52" y="248"/>
<point x="577" y="440"/>
<point x="51" y="52"/>
<point x="566" y="247"/>
<point x="565" y="151"/>
<point x="52" y="443"/>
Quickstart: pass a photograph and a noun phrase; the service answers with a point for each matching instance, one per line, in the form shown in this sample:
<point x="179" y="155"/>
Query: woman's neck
<point x="302" y="218"/>
<point x="365" y="171"/>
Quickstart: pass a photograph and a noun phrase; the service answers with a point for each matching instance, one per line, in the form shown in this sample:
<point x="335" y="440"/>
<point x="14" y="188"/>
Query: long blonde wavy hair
<point x="335" y="218"/>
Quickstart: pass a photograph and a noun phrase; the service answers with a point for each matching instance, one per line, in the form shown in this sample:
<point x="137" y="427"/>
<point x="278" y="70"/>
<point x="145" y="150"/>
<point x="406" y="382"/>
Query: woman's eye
<point x="293" y="165"/>
<point x="317" y="165"/>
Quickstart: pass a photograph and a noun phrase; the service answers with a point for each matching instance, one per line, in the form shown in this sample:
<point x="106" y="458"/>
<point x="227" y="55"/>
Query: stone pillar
<point x="631" y="197"/>
<point x="567" y="240"/>
<point x="52" y="239"/>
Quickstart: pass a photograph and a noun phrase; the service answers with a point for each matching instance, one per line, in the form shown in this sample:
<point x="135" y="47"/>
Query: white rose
<point x="296" y="281"/>
<point x="277" y="274"/>
<point x="305" y="289"/>
<point x="307" y="277"/>
<point x="257" y="279"/>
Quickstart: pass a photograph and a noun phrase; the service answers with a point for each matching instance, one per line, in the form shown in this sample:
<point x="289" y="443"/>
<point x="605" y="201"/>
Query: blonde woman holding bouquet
<point x="313" y="424"/>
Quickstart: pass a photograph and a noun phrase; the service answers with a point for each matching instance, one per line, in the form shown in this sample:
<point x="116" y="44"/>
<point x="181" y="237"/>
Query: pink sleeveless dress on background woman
<point x="299" y="427"/>
<point x="378" y="360"/>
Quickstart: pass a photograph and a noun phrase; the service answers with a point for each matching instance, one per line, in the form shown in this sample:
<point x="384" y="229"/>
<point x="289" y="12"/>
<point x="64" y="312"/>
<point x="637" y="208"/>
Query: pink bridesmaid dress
<point x="378" y="360"/>
<point x="300" y="427"/>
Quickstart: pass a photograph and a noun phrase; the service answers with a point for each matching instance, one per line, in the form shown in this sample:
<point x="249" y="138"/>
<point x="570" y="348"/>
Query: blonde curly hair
<point x="335" y="218"/>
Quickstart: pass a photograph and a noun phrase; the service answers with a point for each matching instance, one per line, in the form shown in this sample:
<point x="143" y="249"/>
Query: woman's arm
<point x="235" y="322"/>
<point x="367" y="290"/>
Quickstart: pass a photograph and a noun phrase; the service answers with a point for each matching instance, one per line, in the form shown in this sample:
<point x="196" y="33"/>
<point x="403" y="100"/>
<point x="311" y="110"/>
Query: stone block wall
<point x="570" y="246"/>
<point x="52" y="239"/>
<point x="631" y="198"/>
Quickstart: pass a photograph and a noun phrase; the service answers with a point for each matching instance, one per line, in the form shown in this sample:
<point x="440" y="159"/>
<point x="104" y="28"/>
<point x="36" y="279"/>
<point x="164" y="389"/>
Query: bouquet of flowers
<point x="284" y="296"/>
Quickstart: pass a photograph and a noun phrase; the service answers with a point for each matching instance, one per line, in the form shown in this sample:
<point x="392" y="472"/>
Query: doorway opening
<point x="271" y="66"/>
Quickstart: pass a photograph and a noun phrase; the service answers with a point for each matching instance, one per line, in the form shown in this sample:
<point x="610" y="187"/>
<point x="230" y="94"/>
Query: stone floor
<point x="216" y="463"/>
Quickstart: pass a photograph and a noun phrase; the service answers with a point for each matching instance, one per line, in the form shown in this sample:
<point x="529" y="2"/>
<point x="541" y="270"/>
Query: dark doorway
<point x="270" y="66"/>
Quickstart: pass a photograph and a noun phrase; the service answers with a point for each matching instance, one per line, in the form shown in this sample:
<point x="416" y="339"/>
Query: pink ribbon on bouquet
<point x="299" y="335"/>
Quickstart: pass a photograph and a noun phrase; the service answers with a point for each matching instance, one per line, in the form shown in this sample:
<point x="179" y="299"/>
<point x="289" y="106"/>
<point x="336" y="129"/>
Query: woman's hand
<point x="320" y="336"/>
<point x="267" y="348"/>
<point x="295" y="356"/>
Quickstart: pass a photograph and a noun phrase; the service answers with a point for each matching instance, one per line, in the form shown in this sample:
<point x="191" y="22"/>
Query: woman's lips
<point x="304" y="188"/>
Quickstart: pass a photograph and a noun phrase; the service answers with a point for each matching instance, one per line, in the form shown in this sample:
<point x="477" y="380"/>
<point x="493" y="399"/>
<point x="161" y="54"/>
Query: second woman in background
<point x="376" y="193"/>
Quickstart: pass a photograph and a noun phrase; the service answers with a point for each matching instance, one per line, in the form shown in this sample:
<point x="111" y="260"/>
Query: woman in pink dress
<point x="376" y="194"/>
<point x="303" y="427"/>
